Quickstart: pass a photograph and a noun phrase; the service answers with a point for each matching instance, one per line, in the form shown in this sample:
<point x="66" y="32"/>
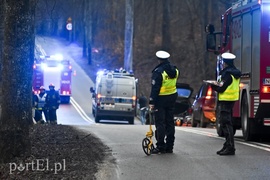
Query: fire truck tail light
<point x="266" y="89"/>
<point x="66" y="93"/>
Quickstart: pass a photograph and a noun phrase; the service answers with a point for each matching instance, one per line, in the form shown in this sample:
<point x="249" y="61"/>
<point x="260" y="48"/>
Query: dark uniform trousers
<point x="164" y="121"/>
<point x="226" y="122"/>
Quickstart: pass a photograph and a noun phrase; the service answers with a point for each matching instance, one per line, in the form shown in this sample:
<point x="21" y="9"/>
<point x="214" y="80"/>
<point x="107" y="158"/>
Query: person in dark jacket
<point x="228" y="93"/>
<point x="143" y="104"/>
<point x="34" y="105"/>
<point x="162" y="101"/>
<point x="52" y="102"/>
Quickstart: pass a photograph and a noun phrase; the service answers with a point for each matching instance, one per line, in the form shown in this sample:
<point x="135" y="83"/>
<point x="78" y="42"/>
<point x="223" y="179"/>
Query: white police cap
<point x="162" y="54"/>
<point x="228" y="56"/>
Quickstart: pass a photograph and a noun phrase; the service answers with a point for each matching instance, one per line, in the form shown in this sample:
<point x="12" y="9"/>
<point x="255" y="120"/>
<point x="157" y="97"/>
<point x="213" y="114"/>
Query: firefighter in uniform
<point x="34" y="105"/>
<point x="41" y="104"/>
<point x="228" y="93"/>
<point x="52" y="102"/>
<point x="162" y="100"/>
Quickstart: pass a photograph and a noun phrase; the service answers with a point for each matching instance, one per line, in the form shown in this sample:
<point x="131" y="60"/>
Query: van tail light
<point x="209" y="93"/>
<point x="133" y="101"/>
<point x="98" y="96"/>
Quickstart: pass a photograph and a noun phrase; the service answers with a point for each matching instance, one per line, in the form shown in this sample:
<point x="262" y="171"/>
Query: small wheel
<point x="145" y="145"/>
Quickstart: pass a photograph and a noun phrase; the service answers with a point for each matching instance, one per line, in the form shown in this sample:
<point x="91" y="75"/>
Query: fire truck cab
<point x="245" y="32"/>
<point x="53" y="70"/>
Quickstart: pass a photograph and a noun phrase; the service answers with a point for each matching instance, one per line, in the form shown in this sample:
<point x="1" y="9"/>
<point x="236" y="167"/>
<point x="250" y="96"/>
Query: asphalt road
<point x="195" y="149"/>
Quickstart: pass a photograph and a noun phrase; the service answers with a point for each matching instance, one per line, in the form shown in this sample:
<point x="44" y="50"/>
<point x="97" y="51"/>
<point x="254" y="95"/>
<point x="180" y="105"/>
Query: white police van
<point x="114" y="96"/>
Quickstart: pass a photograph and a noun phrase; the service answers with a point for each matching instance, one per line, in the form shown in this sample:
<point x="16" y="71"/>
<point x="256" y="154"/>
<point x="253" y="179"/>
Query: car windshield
<point x="183" y="92"/>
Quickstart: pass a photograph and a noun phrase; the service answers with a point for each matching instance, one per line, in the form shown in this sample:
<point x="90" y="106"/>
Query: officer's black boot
<point x="222" y="149"/>
<point x="227" y="151"/>
<point x="158" y="151"/>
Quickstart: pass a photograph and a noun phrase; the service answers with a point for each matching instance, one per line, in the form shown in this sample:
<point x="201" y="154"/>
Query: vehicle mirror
<point x="211" y="42"/>
<point x="210" y="28"/>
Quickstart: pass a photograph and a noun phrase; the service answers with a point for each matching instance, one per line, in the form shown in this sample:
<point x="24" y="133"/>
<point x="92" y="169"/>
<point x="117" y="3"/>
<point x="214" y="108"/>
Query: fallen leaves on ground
<point x="58" y="152"/>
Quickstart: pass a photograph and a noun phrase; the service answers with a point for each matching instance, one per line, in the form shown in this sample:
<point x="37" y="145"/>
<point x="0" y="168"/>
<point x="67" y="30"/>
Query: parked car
<point x="183" y="105"/>
<point x="204" y="106"/>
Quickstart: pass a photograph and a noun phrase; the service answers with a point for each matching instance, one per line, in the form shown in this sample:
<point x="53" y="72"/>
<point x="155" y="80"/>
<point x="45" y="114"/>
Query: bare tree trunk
<point x="166" y="34"/>
<point x="84" y="54"/>
<point x="89" y="31"/>
<point x="129" y="35"/>
<point x="18" y="58"/>
<point x="2" y="14"/>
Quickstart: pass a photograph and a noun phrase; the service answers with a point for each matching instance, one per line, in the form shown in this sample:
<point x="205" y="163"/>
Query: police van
<point x="114" y="96"/>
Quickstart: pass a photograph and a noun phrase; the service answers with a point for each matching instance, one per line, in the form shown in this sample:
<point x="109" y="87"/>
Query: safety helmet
<point x="41" y="88"/>
<point x="51" y="85"/>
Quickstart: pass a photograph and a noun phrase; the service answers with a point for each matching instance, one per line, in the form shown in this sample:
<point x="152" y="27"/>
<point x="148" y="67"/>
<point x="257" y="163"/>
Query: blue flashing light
<point x="100" y="72"/>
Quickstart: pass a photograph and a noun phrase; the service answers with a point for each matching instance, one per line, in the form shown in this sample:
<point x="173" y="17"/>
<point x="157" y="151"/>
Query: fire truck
<point x="53" y="70"/>
<point x="245" y="32"/>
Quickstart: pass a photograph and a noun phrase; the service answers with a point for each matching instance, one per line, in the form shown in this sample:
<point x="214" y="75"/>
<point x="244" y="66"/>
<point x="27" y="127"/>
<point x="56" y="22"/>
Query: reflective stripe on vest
<point x="41" y="101"/>
<point x="168" y="84"/>
<point x="232" y="91"/>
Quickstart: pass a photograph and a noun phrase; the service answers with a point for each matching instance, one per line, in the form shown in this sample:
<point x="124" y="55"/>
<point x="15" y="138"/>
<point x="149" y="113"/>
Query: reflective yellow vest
<point x="232" y="91"/>
<point x="168" y="84"/>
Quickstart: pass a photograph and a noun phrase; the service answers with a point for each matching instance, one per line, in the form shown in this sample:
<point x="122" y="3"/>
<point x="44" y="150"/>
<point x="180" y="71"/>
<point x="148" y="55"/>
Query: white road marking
<point x="261" y="146"/>
<point x="80" y="111"/>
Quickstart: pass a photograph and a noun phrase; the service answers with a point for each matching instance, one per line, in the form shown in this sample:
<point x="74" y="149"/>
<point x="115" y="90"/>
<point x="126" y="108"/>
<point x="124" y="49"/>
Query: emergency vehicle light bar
<point x="58" y="57"/>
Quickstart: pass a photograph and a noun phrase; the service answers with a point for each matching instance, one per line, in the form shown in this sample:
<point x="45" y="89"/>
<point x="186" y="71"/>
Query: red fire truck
<point x="53" y="70"/>
<point x="245" y="32"/>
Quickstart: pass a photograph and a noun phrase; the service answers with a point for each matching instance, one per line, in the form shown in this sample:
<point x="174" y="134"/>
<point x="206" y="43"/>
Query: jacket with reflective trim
<point x="232" y="91"/>
<point x="168" y="84"/>
<point x="41" y="101"/>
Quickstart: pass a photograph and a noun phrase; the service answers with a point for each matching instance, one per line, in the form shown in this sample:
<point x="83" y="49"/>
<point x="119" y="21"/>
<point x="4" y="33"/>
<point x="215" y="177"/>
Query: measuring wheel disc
<point x="147" y="148"/>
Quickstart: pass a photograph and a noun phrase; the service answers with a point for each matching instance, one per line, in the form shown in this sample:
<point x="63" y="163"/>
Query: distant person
<point x="41" y="105"/>
<point x="34" y="104"/>
<point x="228" y="93"/>
<point x="162" y="100"/>
<point x="143" y="108"/>
<point x="52" y="102"/>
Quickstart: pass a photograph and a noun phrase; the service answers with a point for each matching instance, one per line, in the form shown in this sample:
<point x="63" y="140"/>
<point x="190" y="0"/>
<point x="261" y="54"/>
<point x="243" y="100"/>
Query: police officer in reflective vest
<point x="162" y="99"/>
<point x="228" y="93"/>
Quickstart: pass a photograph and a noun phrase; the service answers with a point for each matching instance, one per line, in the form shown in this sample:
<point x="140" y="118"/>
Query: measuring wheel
<point x="147" y="148"/>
